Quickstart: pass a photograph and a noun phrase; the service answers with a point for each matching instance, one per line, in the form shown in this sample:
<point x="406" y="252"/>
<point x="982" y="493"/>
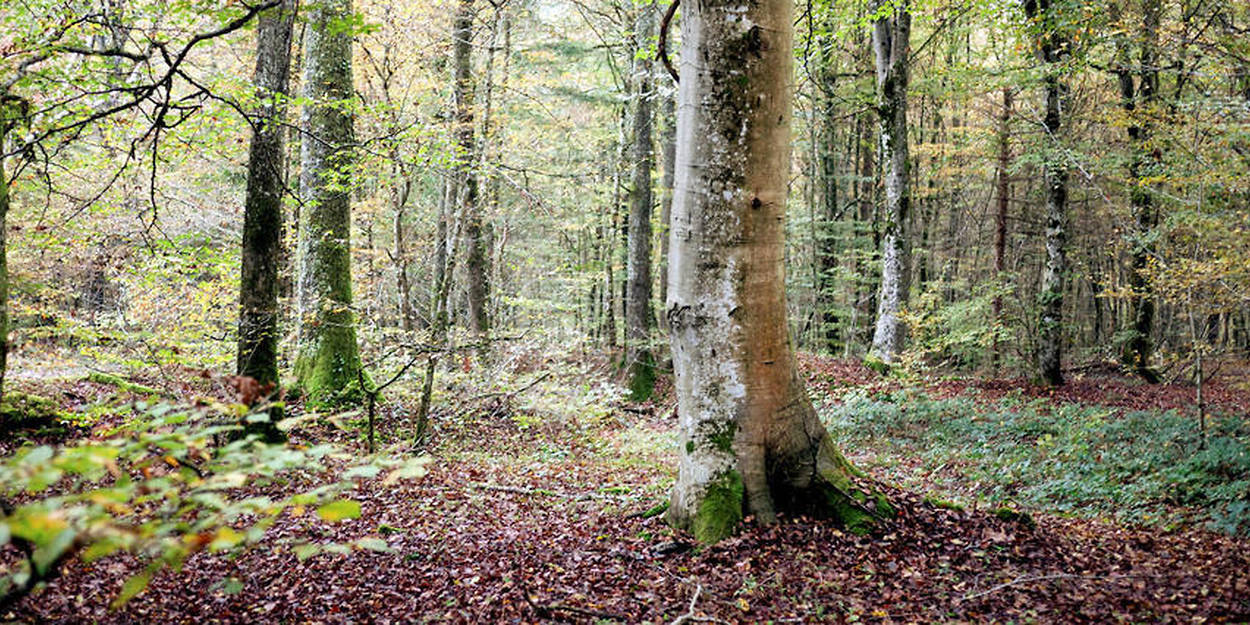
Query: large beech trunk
<point x="751" y="441"/>
<point x="329" y="361"/>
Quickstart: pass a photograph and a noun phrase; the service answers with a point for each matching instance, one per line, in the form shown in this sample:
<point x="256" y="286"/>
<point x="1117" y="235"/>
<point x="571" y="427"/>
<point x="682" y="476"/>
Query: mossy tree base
<point x="832" y="494"/>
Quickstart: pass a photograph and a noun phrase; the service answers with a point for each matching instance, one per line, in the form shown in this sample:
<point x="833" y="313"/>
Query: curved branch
<point x="663" y="43"/>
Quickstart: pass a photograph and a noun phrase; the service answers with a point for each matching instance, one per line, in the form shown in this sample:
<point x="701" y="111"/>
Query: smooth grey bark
<point x="639" y="319"/>
<point x="259" y="312"/>
<point x="1051" y="48"/>
<point x="751" y="440"/>
<point x="890" y="41"/>
<point x="328" y="365"/>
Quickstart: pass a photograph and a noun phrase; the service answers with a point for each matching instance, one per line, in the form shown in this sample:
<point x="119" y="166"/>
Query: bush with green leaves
<point x="1138" y="466"/>
<point x="172" y="481"/>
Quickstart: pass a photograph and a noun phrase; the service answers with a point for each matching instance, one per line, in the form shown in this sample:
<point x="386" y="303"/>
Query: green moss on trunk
<point x="720" y="511"/>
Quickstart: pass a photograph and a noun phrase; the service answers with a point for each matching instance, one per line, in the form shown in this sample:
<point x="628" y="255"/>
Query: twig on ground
<point x="689" y="614"/>
<point x="1037" y="578"/>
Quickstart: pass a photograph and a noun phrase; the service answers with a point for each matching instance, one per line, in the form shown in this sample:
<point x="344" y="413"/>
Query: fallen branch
<point x="689" y="614"/>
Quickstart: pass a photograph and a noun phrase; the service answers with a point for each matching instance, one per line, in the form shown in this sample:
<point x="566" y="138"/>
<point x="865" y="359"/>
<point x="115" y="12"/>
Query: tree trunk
<point x="262" y="217"/>
<point x="262" y="213"/>
<point x="1051" y="46"/>
<point x="403" y="187"/>
<point x="474" y="238"/>
<point x="668" y="142"/>
<point x="328" y="365"/>
<point x="1000" y="216"/>
<point x="826" y="234"/>
<point x="8" y="119"/>
<point x="1138" y="101"/>
<point x="752" y="443"/>
<point x="890" y="42"/>
<point x="639" y="319"/>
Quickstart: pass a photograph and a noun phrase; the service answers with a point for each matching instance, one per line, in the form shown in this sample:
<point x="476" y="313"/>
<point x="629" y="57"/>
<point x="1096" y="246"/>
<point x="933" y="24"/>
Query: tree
<point x="751" y="440"/>
<point x="890" y="41"/>
<point x="11" y="111"/>
<point x="329" y="358"/>
<point x="639" y="319"/>
<point x="1139" y="91"/>
<point x="1052" y="48"/>
<point x="475" y="259"/>
<point x="262" y="214"/>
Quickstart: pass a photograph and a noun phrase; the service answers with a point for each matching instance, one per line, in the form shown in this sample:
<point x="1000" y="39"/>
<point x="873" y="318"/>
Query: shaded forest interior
<point x="605" y="310"/>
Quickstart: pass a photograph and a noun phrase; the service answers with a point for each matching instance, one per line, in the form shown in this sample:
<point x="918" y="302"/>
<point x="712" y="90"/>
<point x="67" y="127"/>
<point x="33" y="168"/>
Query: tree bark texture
<point x="475" y="247"/>
<point x="328" y="364"/>
<point x="1051" y="50"/>
<point x="751" y="440"/>
<point x="639" y="318"/>
<point x="890" y="41"/>
<point x="668" y="147"/>
<point x="1002" y="204"/>
<point x="262" y="214"/>
<point x="1139" y="99"/>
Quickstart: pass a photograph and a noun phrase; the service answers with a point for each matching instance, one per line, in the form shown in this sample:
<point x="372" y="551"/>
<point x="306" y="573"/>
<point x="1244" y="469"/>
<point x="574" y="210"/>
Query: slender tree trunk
<point x="752" y="443"/>
<point x="826" y="234"/>
<point x="1051" y="47"/>
<point x="639" y="319"/>
<point x="890" y="43"/>
<point x="1138" y="101"/>
<point x="403" y="187"/>
<point x="328" y="364"/>
<point x="668" y="142"/>
<point x="475" y="246"/>
<point x="262" y="214"/>
<point x="1000" y="215"/>
<point x="8" y="119"/>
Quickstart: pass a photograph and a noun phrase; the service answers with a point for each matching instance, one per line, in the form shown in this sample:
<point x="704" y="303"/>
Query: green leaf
<point x="339" y="510"/>
<point x="132" y="587"/>
<point x="46" y="556"/>
<point x="304" y="552"/>
<point x="373" y="544"/>
<point x="232" y="586"/>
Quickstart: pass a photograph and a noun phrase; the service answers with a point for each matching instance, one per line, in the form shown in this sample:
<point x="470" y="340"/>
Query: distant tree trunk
<point x="1138" y="101"/>
<point x="399" y="202"/>
<point x="1051" y="47"/>
<point x="262" y="213"/>
<point x="8" y="119"/>
<point x="475" y="246"/>
<point x="639" y="319"/>
<point x="668" y="145"/>
<point x="328" y="364"/>
<point x="1003" y="192"/>
<point x="890" y="42"/>
<point x="826" y="236"/>
<point x="751" y="440"/>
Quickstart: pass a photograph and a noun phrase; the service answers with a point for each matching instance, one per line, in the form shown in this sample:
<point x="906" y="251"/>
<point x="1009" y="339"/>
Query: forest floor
<point x="534" y="510"/>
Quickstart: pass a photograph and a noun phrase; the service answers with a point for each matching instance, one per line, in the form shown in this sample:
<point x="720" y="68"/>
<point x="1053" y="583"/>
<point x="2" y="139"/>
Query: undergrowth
<point x="1141" y="467"/>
